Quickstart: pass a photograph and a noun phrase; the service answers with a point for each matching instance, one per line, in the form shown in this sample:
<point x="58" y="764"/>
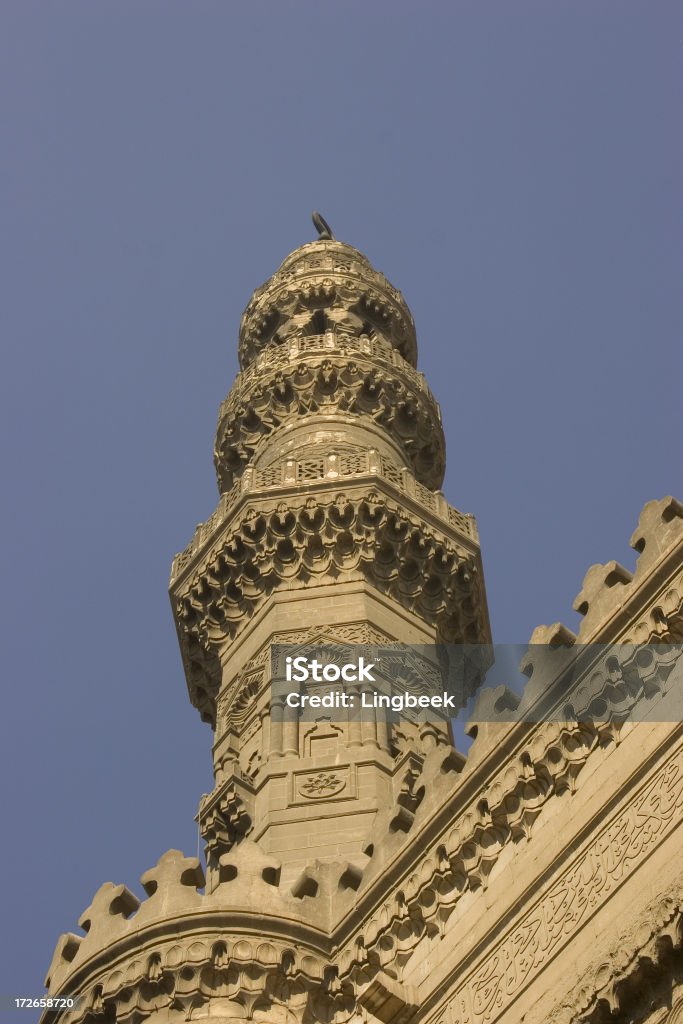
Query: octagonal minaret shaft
<point x="329" y="455"/>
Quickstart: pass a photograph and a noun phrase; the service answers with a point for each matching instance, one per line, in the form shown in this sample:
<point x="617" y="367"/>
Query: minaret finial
<point x="322" y="227"/>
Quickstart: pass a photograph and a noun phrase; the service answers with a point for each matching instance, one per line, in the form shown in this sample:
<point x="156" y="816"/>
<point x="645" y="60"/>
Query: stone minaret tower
<point x="331" y="528"/>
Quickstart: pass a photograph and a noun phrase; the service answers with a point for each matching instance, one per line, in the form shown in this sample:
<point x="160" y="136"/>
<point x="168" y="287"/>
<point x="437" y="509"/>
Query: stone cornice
<point x="329" y="450"/>
<point x="285" y="478"/>
<point x="370" y="916"/>
<point x="495" y="804"/>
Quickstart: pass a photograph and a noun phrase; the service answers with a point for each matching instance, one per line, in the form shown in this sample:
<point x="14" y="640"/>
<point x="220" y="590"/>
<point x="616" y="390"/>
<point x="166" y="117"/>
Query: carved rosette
<point x="321" y="785"/>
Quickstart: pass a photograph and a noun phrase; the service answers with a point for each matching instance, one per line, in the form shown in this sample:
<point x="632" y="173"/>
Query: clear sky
<point x="514" y="167"/>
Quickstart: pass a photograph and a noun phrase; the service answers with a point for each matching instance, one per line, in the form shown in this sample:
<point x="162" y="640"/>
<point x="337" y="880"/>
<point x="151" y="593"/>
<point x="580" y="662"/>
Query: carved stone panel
<point x="337" y="782"/>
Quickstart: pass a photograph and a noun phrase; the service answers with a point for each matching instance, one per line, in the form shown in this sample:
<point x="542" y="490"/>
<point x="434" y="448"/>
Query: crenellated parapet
<point x="621" y="612"/>
<point x="605" y="601"/>
<point x="188" y="954"/>
<point x="193" y="950"/>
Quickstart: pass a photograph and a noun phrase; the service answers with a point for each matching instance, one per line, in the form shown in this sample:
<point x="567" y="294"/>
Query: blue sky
<point x="513" y="167"/>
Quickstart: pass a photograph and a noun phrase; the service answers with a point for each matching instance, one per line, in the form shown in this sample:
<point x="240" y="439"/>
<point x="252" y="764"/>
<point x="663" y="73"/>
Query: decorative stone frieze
<point x="642" y="969"/>
<point x="171" y="888"/>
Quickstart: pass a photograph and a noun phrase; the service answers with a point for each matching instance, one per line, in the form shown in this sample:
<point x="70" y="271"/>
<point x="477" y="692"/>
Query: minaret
<point x="331" y="528"/>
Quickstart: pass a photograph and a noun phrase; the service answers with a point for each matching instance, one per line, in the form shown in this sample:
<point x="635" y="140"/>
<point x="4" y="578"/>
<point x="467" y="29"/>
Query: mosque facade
<point x="358" y="867"/>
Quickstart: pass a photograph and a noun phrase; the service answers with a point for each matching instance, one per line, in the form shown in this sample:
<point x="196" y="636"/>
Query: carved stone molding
<point x="218" y="975"/>
<point x="595" y="682"/>
<point x="422" y="903"/>
<point x="329" y="451"/>
<point x="181" y="948"/>
<point x="462" y="858"/>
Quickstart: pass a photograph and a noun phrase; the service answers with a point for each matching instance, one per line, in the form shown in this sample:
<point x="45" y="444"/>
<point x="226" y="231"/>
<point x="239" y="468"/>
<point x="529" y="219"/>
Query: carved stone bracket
<point x="226" y="816"/>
